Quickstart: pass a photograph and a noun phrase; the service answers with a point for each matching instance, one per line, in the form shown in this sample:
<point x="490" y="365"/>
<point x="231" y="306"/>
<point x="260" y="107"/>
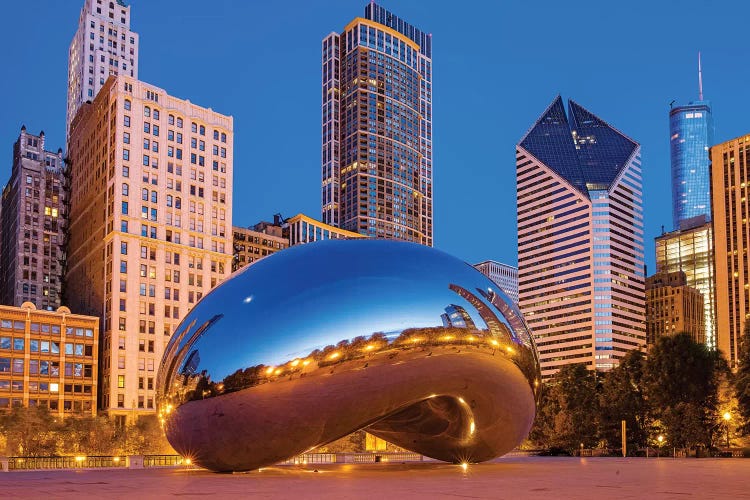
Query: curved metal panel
<point x="320" y="340"/>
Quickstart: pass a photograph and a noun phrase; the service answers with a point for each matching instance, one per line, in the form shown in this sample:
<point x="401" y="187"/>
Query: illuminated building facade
<point x="48" y="359"/>
<point x="690" y="249"/>
<point x="252" y="244"/>
<point x="730" y="169"/>
<point x="34" y="217"/>
<point x="377" y="128"/>
<point x="150" y="226"/>
<point x="504" y="276"/>
<point x="580" y="239"/>
<point x="691" y="133"/>
<point x="303" y="229"/>
<point x="673" y="307"/>
<point x="103" y="45"/>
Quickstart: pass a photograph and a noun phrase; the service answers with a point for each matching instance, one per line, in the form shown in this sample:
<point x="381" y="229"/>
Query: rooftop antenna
<point x="700" y="78"/>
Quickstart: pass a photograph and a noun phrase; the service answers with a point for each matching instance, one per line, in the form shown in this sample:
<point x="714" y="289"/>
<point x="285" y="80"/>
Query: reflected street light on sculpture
<point x="402" y="340"/>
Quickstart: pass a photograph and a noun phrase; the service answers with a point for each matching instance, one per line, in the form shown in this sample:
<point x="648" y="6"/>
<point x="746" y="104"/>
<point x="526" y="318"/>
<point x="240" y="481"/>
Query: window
<point x="127" y="104"/>
<point x="126" y="154"/>
<point x="126" y="120"/>
<point x="121" y="381"/>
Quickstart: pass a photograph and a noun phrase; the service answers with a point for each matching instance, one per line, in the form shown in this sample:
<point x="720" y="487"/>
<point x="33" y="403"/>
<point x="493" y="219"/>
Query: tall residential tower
<point x="103" y="45"/>
<point x="377" y="128"/>
<point x="580" y="239"/>
<point x="34" y="218"/>
<point x="730" y="174"/>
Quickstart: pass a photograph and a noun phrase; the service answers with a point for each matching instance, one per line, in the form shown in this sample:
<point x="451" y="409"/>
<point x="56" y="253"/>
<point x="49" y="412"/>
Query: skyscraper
<point x="150" y="226"/>
<point x="34" y="217"/>
<point x="730" y="171"/>
<point x="103" y="45"/>
<point x="377" y="128"/>
<point x="691" y="133"/>
<point x="580" y="239"/>
<point x="504" y="276"/>
<point x="690" y="249"/>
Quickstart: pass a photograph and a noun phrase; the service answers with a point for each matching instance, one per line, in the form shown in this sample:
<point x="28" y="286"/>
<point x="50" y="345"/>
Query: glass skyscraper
<point x="377" y="128"/>
<point x="691" y="132"/>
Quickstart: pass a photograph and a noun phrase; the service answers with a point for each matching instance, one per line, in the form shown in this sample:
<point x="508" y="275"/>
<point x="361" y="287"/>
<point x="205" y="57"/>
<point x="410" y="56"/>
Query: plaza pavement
<point x="512" y="478"/>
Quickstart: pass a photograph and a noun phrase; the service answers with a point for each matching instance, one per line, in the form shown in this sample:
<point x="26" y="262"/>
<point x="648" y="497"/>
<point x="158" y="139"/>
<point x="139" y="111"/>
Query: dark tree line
<point x="679" y="390"/>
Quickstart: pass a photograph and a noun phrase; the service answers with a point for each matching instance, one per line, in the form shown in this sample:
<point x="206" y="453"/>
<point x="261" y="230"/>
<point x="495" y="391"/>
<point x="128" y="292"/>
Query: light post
<point x="660" y="439"/>
<point x="727" y="417"/>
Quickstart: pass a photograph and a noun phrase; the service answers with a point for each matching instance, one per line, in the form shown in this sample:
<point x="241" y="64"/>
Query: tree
<point x="543" y="430"/>
<point x="146" y="436"/>
<point x="30" y="432"/>
<point x="89" y="436"/>
<point x="681" y="381"/>
<point x="568" y="416"/>
<point x="742" y="382"/>
<point x="621" y="399"/>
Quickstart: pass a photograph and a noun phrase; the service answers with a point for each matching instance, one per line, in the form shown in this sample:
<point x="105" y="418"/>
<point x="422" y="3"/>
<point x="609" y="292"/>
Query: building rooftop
<point x="579" y="146"/>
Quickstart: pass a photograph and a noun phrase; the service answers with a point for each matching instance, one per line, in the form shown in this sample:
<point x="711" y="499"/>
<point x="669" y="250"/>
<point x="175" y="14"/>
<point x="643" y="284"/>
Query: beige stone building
<point x="673" y="307"/>
<point x="48" y="359"/>
<point x="730" y="168"/>
<point x="150" y="226"/>
<point x="254" y="243"/>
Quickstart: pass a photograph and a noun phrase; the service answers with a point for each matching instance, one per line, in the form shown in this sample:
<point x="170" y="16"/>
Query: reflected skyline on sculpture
<point x="353" y="337"/>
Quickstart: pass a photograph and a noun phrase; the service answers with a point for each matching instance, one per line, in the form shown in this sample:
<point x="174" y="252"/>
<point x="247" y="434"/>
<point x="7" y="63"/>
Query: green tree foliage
<point x="88" y="436"/>
<point x="569" y="409"/>
<point x="30" y="432"/>
<point x="681" y="381"/>
<point x="34" y="432"/>
<point x="742" y="382"/>
<point x="679" y="389"/>
<point x="622" y="398"/>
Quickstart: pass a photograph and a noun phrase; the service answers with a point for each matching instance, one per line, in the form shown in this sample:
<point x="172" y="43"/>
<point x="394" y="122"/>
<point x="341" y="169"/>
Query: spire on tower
<point x="700" y="78"/>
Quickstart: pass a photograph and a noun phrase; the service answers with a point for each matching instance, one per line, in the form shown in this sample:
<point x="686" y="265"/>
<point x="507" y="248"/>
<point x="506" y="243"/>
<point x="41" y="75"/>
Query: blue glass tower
<point x="691" y="132"/>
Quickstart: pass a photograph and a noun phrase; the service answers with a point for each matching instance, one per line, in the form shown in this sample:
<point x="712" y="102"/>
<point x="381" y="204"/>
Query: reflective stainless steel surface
<point x="319" y="340"/>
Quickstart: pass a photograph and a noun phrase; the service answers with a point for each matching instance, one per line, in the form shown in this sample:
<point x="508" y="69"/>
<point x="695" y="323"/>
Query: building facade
<point x="730" y="169"/>
<point x="690" y="249"/>
<point x="303" y="229"/>
<point x="673" y="307"/>
<point x="34" y="217"/>
<point x="580" y="239"/>
<point x="691" y="133"/>
<point x="252" y="244"/>
<point x="103" y="45"/>
<point x="503" y="275"/>
<point x="377" y="128"/>
<point x="48" y="359"/>
<point x="150" y="226"/>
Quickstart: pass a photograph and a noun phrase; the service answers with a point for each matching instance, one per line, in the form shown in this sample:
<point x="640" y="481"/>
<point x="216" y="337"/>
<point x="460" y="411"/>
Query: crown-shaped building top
<point x="580" y="147"/>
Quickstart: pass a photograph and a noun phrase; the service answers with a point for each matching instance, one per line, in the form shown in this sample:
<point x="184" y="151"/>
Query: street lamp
<point x="659" y="438"/>
<point x="727" y="417"/>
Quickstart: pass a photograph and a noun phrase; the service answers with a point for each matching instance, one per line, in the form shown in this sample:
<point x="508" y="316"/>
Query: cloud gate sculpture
<point x="320" y="340"/>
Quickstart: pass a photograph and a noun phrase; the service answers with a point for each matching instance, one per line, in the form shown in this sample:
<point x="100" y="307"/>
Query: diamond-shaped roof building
<point x="580" y="147"/>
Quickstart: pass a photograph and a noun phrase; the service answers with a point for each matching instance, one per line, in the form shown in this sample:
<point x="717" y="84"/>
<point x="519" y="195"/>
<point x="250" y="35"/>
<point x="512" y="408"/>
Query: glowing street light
<point x="727" y="417"/>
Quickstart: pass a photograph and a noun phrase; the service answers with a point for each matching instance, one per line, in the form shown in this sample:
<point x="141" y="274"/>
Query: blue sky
<point x="497" y="65"/>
